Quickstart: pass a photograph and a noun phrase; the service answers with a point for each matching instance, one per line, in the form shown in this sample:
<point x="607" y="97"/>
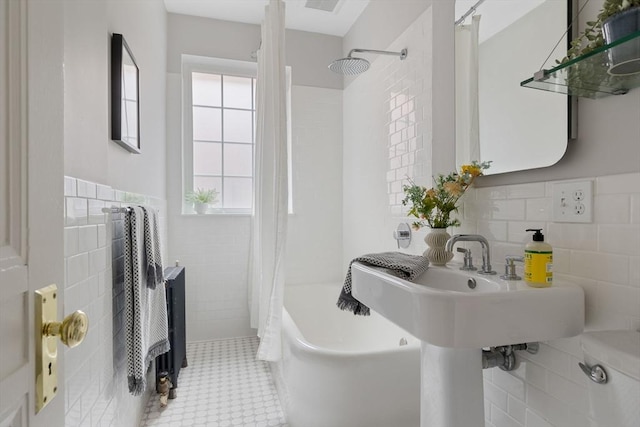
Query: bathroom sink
<point x="451" y="308"/>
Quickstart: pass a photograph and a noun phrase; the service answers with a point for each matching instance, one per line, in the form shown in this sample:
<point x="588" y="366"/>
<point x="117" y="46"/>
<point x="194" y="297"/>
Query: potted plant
<point x="433" y="207"/>
<point x="616" y="19"/>
<point x="201" y="199"/>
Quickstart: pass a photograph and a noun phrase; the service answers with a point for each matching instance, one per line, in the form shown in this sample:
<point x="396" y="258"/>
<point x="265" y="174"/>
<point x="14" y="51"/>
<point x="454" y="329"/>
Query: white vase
<point x="200" y="208"/>
<point x="437" y="240"/>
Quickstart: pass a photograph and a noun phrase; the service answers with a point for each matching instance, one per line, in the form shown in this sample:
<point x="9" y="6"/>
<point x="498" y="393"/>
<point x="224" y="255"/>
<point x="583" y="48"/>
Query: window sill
<point x="214" y="214"/>
<point x="224" y="214"/>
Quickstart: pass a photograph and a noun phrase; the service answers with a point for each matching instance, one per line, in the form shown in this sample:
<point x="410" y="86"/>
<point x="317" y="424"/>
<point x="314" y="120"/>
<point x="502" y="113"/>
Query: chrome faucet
<point x="486" y="253"/>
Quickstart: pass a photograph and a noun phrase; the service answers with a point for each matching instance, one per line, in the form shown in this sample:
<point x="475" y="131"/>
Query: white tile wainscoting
<point x="548" y="389"/>
<point x="95" y="378"/>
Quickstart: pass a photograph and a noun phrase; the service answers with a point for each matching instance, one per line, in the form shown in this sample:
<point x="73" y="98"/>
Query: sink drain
<point x="471" y="283"/>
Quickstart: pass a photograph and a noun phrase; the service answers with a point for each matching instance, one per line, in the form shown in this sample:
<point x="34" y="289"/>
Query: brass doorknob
<point x="71" y="330"/>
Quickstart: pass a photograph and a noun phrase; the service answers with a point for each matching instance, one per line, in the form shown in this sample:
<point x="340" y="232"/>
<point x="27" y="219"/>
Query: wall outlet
<point x="573" y="201"/>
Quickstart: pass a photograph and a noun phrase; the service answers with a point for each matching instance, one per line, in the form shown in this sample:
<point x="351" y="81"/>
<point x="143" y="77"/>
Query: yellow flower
<point x="473" y="170"/>
<point x="453" y="188"/>
<point x="433" y="207"/>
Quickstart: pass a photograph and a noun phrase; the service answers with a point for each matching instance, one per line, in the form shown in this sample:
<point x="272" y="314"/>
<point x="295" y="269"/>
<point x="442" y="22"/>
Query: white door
<point x="31" y="197"/>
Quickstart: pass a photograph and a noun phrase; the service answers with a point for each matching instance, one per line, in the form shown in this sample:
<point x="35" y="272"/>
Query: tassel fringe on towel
<point x="399" y="264"/>
<point x="145" y="313"/>
<point x="155" y="271"/>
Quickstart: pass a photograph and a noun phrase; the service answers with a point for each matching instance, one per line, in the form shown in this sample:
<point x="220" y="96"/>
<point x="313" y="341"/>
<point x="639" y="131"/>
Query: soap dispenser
<point x="538" y="261"/>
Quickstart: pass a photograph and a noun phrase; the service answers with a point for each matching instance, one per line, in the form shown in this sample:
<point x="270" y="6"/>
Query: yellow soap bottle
<point x="538" y="261"/>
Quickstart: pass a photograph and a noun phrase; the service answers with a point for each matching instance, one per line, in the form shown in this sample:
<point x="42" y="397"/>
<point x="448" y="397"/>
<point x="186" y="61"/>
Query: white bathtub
<point x="341" y="370"/>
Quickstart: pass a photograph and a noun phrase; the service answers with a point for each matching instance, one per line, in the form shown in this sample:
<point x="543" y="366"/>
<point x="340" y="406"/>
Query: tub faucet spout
<point x="486" y="253"/>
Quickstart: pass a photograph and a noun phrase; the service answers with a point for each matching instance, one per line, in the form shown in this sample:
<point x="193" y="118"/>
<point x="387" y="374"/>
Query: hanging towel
<point x="146" y="325"/>
<point x="155" y="275"/>
<point x="398" y="264"/>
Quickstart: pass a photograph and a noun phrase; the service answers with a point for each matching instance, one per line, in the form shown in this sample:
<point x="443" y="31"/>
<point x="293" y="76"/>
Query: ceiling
<point x="298" y="17"/>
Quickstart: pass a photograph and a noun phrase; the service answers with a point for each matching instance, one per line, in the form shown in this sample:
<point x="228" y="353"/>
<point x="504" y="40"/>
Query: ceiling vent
<point x="325" y="5"/>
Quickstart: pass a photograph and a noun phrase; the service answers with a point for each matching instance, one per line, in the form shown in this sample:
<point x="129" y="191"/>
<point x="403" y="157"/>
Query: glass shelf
<point x="588" y="75"/>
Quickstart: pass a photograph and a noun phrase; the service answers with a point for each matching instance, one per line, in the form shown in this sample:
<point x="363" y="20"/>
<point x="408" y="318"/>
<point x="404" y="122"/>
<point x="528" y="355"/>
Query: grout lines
<point x="224" y="385"/>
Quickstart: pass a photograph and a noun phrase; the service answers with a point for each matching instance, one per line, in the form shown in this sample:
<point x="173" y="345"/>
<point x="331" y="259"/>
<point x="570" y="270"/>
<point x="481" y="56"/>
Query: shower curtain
<point x="270" y="207"/>
<point x="467" y="113"/>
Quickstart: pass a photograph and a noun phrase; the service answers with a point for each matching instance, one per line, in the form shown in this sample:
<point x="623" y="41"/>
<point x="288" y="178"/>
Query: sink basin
<point x="440" y="307"/>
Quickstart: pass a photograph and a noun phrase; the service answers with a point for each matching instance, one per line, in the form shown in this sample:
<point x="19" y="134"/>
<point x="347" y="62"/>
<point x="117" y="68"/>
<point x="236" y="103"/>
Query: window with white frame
<point x="219" y="132"/>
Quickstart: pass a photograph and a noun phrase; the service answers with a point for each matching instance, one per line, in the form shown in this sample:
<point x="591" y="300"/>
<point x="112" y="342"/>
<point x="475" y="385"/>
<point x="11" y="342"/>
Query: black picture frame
<point x="125" y="95"/>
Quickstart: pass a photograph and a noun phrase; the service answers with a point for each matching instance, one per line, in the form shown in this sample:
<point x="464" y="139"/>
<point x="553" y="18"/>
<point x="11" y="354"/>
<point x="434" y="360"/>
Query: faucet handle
<point x="510" y="267"/>
<point x="468" y="260"/>
<point x="403" y="235"/>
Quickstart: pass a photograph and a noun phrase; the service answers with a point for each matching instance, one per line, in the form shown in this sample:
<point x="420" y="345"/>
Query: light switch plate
<point x="573" y="201"/>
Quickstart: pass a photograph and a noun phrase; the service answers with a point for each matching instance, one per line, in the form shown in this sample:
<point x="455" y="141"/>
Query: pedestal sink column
<point x="451" y="387"/>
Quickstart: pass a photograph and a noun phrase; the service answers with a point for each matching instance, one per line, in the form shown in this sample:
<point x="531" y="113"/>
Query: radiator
<point x="169" y="364"/>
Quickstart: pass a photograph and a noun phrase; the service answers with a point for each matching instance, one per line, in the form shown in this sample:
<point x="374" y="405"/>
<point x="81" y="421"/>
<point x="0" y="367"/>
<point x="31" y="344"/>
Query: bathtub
<point x="341" y="370"/>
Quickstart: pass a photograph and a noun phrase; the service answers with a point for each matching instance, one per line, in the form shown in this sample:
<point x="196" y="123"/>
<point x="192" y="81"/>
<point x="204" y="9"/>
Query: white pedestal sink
<point x="455" y="314"/>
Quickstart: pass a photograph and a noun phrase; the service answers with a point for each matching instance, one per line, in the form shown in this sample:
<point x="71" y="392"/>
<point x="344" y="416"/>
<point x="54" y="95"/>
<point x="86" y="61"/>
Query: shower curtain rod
<point x="469" y="12"/>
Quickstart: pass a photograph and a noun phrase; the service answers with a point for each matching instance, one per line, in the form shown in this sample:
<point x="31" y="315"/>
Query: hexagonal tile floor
<point x="224" y="385"/>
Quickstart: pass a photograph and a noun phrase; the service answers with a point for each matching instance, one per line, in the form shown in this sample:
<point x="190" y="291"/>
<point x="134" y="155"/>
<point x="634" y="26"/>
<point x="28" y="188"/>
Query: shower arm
<point x="402" y="54"/>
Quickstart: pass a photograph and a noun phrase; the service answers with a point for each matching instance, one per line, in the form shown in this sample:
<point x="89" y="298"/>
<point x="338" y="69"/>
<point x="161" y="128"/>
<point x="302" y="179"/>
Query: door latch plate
<point x="46" y="311"/>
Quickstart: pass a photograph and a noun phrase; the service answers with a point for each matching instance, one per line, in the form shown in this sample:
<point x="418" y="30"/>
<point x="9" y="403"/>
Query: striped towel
<point x="146" y="324"/>
<point x="155" y="271"/>
<point x="398" y="264"/>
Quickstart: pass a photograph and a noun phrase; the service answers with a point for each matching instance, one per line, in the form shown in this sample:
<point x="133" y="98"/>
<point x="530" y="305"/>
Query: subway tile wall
<point x="95" y="374"/>
<point x="387" y="139"/>
<point x="603" y="257"/>
<point x="407" y="111"/>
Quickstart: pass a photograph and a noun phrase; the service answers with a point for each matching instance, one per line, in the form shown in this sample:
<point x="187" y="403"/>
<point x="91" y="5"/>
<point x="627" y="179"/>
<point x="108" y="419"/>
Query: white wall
<point x="314" y="251"/>
<point x="603" y="257"/>
<point x="308" y="54"/>
<point x="215" y="248"/>
<point x="607" y="139"/>
<point x="381" y="22"/>
<point x="96" y="385"/>
<point x="89" y="152"/>
<point x="386" y="138"/>
<point x="394" y="114"/>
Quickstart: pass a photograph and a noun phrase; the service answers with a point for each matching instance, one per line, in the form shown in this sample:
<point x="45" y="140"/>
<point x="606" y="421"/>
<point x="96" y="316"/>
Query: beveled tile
<point x="619" y="239"/>
<point x="618" y="184"/>
<point x="86" y="189"/>
<point x="525" y="191"/>
<point x="611" y="209"/>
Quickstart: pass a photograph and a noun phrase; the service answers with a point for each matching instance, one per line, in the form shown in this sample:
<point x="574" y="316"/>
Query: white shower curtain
<point x="269" y="220"/>
<point x="467" y="113"/>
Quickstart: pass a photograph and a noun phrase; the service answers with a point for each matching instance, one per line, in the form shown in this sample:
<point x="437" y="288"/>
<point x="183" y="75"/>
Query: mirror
<point x="501" y="44"/>
<point x="125" y="107"/>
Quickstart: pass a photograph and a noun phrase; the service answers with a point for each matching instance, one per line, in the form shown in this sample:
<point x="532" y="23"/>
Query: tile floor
<point x="224" y="385"/>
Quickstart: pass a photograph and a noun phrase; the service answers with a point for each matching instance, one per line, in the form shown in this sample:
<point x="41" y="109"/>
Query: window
<point x="219" y="119"/>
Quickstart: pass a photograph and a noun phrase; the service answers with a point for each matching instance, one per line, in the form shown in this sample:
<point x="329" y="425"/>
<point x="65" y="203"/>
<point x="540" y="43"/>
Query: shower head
<point x="351" y="65"/>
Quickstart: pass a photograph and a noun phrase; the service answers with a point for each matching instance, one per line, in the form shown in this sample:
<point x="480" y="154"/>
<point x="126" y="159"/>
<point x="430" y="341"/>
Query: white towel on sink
<point x="398" y="264"/>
